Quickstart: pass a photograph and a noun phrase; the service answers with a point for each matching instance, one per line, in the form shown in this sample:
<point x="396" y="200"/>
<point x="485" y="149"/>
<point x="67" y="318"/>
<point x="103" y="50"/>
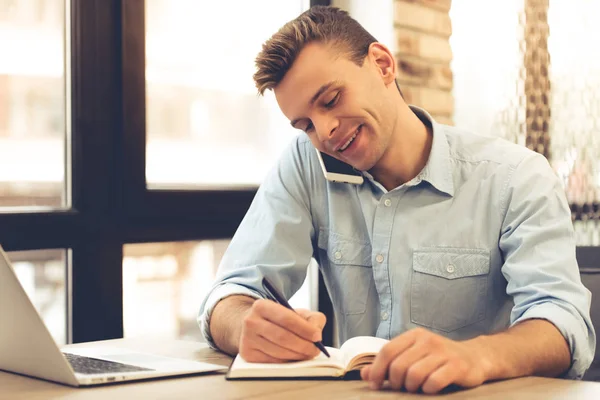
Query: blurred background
<point x="132" y="138"/>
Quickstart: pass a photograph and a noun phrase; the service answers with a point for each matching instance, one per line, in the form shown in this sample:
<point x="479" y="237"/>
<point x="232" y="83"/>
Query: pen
<point x="278" y="298"/>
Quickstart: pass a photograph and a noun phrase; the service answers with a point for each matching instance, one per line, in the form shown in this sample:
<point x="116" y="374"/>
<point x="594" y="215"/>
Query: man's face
<point x="345" y="109"/>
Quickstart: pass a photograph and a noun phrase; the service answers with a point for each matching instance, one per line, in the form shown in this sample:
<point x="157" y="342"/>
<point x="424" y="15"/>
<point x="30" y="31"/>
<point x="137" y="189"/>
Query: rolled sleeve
<point x="274" y="240"/>
<point x="564" y="317"/>
<point x="540" y="266"/>
<point x="217" y="294"/>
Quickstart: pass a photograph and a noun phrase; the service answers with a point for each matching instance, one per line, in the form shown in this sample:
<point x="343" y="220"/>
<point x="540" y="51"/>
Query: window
<point x="165" y="283"/>
<point x="206" y="126"/>
<point x="74" y="111"/>
<point x="32" y="104"/>
<point x="527" y="74"/>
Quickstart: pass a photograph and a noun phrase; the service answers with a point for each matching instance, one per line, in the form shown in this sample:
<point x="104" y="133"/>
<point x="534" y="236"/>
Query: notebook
<point x="354" y="354"/>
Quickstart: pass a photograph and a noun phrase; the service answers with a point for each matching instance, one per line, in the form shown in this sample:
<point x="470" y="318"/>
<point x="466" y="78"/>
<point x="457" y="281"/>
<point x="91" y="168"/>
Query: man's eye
<point x="309" y="127"/>
<point x="332" y="102"/>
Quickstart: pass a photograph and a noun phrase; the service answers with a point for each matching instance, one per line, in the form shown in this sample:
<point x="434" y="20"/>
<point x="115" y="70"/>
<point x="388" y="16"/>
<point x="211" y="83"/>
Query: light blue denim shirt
<point x="480" y="240"/>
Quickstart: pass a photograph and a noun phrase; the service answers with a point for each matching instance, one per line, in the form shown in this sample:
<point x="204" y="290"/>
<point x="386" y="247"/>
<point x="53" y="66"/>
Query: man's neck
<point x="408" y="150"/>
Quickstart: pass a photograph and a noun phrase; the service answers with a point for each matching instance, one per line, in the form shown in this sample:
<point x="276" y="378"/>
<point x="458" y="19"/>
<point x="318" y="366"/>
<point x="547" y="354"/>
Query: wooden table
<point x="214" y="386"/>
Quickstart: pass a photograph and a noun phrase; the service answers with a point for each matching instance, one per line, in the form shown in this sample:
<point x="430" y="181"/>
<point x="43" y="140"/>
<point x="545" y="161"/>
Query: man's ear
<point x="384" y="61"/>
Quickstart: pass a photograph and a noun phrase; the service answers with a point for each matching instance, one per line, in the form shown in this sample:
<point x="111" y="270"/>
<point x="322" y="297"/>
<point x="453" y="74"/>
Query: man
<point x="458" y="248"/>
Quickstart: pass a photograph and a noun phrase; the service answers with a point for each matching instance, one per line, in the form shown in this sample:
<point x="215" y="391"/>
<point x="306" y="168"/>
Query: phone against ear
<point x="338" y="171"/>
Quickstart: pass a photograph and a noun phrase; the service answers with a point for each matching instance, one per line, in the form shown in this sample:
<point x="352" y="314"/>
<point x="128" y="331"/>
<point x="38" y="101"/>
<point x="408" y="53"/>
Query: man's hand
<point x="271" y="333"/>
<point x="419" y="359"/>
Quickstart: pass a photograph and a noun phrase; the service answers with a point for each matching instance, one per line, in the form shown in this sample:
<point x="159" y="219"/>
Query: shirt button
<point x="450" y="268"/>
<point x="384" y="316"/>
<point x="379" y="258"/>
<point x="337" y="255"/>
<point x="387" y="202"/>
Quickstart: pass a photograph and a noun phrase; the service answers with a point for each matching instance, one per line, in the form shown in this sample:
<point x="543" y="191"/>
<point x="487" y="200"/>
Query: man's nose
<point x="325" y="127"/>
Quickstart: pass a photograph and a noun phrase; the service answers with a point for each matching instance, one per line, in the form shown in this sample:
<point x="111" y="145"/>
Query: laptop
<point x="27" y="348"/>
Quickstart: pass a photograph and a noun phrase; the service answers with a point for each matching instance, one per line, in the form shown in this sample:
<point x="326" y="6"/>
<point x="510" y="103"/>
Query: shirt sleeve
<point x="538" y="244"/>
<point x="275" y="238"/>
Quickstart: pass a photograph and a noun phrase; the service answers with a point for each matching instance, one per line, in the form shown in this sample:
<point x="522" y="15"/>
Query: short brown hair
<point x="328" y="25"/>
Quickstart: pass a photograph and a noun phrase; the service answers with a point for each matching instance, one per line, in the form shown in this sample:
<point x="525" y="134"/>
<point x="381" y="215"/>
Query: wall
<point x="422" y="30"/>
<point x="376" y="16"/>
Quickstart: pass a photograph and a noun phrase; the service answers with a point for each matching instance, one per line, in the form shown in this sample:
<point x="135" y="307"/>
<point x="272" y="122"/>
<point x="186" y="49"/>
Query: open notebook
<point x="354" y="354"/>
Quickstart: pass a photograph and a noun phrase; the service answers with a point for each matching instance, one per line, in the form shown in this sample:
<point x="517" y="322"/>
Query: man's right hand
<point x="272" y="333"/>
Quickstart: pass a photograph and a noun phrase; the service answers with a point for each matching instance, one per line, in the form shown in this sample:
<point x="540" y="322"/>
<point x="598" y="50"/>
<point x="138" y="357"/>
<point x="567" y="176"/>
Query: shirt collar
<point x="438" y="169"/>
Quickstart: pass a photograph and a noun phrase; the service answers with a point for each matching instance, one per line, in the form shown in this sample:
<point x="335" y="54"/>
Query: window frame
<point x="111" y="205"/>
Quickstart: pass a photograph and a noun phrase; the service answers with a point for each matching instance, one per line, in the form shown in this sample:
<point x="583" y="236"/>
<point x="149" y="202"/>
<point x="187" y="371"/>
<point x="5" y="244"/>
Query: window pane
<point x="494" y="45"/>
<point x="32" y="103"/>
<point x="165" y="283"/>
<point x="575" y="110"/>
<point x="43" y="276"/>
<point x="483" y="48"/>
<point x="206" y="126"/>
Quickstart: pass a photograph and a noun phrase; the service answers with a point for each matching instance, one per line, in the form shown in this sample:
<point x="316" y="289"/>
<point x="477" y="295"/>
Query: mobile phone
<point x="338" y="171"/>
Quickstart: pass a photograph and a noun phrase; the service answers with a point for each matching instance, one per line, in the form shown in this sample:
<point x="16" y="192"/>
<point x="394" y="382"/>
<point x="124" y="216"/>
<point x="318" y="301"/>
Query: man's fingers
<point x="287" y="319"/>
<point x="399" y="366"/>
<point x="386" y="355"/>
<point x="276" y="351"/>
<point x="260" y="327"/>
<point x="279" y="334"/>
<point x="364" y="373"/>
<point x="439" y="379"/>
<point x="299" y="349"/>
<point x="418" y="372"/>
<point x="314" y="318"/>
<point x="257" y="356"/>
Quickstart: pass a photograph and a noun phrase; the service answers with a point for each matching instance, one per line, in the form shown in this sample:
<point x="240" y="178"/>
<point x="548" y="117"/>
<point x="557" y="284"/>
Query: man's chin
<point x="364" y="163"/>
<point x="363" y="166"/>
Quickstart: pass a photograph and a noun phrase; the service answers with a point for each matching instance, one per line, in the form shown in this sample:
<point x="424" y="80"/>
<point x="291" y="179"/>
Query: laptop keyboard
<point x="88" y="365"/>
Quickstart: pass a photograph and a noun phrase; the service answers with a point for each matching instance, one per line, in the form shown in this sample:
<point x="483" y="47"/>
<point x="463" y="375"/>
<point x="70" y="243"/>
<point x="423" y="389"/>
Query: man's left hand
<point x="419" y="359"/>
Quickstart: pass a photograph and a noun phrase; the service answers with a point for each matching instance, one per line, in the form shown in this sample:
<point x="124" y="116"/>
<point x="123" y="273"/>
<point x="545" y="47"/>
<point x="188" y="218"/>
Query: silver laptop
<point x="26" y="347"/>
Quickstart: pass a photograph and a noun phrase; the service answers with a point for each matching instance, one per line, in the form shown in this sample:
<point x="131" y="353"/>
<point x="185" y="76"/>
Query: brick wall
<point x="4" y="105"/>
<point x="423" y="29"/>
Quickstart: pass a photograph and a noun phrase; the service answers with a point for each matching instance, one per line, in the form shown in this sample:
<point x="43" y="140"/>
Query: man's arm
<point x="540" y="266"/>
<point x="422" y="359"/>
<point x="551" y="332"/>
<point x="264" y="331"/>
<point x="532" y="347"/>
<point x="275" y="239"/>
<point x="226" y="322"/>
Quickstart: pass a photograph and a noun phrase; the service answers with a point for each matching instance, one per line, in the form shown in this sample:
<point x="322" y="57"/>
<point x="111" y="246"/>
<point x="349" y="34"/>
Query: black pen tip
<point x="322" y="348"/>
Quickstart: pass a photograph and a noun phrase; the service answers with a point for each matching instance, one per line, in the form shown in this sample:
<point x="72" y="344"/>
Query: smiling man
<point x="457" y="247"/>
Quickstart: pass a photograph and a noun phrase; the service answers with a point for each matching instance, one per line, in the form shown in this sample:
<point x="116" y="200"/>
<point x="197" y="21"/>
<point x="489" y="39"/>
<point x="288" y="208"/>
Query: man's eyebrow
<point x="319" y="92"/>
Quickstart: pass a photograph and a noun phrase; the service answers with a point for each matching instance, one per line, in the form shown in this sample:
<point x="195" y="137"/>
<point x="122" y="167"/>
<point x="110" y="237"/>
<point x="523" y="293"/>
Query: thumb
<point x="314" y="318"/>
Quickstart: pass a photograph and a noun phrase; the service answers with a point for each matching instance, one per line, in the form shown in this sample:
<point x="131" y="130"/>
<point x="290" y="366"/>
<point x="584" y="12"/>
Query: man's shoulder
<point x="299" y="159"/>
<point x="300" y="146"/>
<point x="302" y="140"/>
<point x="470" y="147"/>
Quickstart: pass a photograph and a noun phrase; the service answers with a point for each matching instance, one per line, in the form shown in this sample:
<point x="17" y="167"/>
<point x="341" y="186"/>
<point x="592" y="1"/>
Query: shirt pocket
<point x="346" y="265"/>
<point x="449" y="287"/>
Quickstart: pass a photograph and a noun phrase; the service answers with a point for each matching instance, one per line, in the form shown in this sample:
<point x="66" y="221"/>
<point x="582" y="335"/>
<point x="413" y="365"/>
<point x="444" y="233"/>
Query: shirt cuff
<point x="218" y="294"/>
<point x="573" y="330"/>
